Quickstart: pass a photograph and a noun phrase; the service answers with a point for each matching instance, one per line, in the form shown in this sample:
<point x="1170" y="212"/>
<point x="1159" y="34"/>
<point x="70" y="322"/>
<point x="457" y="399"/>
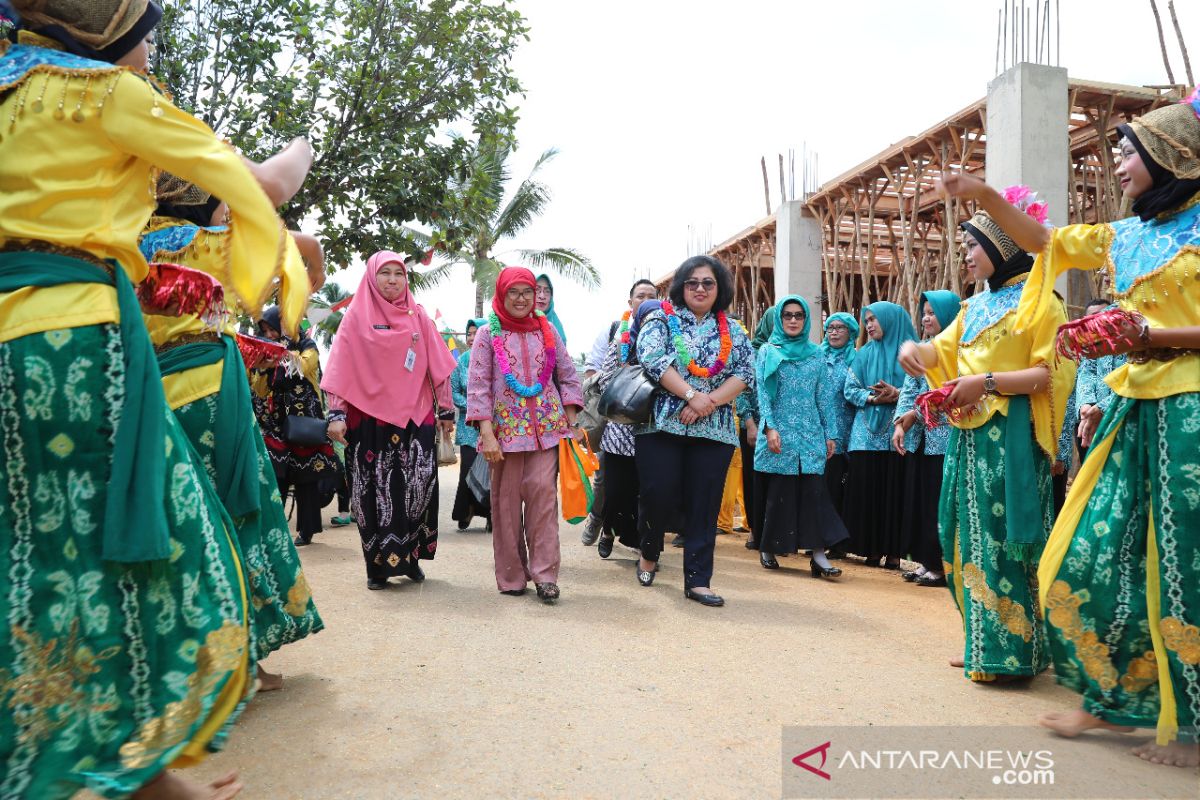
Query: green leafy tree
<point x="371" y="83"/>
<point x="483" y="222"/>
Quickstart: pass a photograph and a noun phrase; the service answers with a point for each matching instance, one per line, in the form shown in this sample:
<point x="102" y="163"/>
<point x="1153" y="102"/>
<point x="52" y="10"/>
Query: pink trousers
<point x="525" y="518"/>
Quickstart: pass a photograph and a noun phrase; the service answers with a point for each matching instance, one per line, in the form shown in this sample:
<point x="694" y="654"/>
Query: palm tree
<point x="489" y="222"/>
<point x="329" y="295"/>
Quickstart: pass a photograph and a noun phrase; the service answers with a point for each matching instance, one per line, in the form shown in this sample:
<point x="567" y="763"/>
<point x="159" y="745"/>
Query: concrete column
<point x="1027" y="137"/>
<point x="798" y="242"/>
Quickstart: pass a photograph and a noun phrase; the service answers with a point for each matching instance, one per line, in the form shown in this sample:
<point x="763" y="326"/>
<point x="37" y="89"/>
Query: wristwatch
<point x="689" y="395"/>
<point x="989" y="384"/>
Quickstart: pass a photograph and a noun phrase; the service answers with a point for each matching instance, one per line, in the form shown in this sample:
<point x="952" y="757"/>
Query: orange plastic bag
<point x="576" y="465"/>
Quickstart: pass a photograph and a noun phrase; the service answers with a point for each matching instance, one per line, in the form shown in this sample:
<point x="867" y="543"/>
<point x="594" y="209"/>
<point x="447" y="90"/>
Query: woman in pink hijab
<point x="388" y="386"/>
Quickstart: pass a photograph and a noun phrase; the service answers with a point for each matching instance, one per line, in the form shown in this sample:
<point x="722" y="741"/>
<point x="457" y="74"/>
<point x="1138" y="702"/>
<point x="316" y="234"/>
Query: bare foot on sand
<point x="1175" y="754"/>
<point x="1070" y="724"/>
<point x="169" y="786"/>
<point x="269" y="681"/>
<point x="957" y="662"/>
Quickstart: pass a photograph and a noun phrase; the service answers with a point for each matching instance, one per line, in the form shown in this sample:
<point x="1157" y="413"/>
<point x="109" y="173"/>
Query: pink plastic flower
<point x="1016" y="194"/>
<point x="1038" y="211"/>
<point x="1194" y="101"/>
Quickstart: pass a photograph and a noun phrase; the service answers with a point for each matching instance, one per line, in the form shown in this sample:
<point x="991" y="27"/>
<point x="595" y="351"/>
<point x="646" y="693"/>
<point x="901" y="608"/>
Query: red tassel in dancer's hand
<point x="1096" y="334"/>
<point x="171" y="290"/>
<point x="934" y="406"/>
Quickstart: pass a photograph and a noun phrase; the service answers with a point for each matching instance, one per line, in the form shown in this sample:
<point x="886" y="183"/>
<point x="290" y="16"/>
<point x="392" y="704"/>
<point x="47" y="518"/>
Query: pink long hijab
<point x="366" y="364"/>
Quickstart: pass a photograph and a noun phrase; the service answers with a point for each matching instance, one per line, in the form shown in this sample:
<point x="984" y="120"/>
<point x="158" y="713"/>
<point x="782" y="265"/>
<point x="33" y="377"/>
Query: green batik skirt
<point x="283" y="609"/>
<point x="109" y="672"/>
<point x="996" y="592"/>
<point x="1122" y="570"/>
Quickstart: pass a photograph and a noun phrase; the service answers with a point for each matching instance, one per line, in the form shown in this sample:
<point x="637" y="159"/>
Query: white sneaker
<point x="591" y="531"/>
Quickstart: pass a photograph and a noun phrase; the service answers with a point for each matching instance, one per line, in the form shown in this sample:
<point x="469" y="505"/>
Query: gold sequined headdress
<point x="103" y="29"/>
<point x="1171" y="135"/>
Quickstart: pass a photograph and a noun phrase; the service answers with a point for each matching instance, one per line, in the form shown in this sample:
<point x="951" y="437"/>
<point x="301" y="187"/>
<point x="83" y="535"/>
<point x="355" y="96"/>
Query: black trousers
<point x="681" y="473"/>
<point x="343" y="491"/>
<point x="836" y="472"/>
<point x="307" y="496"/>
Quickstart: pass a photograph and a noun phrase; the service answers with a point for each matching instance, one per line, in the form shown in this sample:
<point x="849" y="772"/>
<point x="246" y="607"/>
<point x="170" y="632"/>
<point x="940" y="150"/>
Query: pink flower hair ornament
<point x="1027" y="200"/>
<point x="1194" y="101"/>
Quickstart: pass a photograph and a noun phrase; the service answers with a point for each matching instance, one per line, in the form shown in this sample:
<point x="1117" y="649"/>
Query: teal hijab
<point x="846" y="353"/>
<point x="762" y="334"/>
<point x="780" y="347"/>
<point x="945" y="305"/>
<point x="877" y="360"/>
<point x="550" y="315"/>
<point x="478" y="324"/>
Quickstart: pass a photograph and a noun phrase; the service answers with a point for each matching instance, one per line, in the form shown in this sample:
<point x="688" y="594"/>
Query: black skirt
<point x="620" y="513"/>
<point x="836" y="474"/>
<point x="798" y="515"/>
<point x="923" y="487"/>
<point x="466" y="505"/>
<point x="395" y="491"/>
<point x="875" y="504"/>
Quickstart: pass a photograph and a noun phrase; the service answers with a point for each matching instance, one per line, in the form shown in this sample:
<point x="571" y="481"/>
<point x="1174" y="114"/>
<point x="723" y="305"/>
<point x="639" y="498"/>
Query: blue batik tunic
<point x="796" y="411"/>
<point x="861" y="436"/>
<point x="1090" y="388"/>
<point x="464" y="434"/>
<point x="656" y="353"/>
<point x="833" y="399"/>
<point x="935" y="438"/>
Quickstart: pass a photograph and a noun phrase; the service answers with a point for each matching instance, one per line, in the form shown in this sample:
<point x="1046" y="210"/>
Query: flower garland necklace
<point x="681" y="351"/>
<point x="510" y="380"/>
<point x="624" y="337"/>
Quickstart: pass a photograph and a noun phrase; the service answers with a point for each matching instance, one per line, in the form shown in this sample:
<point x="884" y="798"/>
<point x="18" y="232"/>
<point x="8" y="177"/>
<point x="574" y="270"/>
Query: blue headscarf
<point x="478" y="324"/>
<point x="550" y="315"/>
<point x="780" y="347"/>
<point x="846" y="353"/>
<point x="945" y="305"/>
<point x="877" y="360"/>
<point x="639" y="316"/>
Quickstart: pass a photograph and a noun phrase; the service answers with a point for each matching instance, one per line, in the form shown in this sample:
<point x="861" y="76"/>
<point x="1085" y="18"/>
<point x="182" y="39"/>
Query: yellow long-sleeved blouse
<point x="1154" y="269"/>
<point x="80" y="142"/>
<point x="983" y="338"/>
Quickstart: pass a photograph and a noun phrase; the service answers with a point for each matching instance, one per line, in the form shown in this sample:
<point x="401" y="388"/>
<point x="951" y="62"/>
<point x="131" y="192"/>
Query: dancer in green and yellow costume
<point x="206" y="385"/>
<point x="1120" y="577"/>
<point x="995" y="510"/>
<point x="127" y="646"/>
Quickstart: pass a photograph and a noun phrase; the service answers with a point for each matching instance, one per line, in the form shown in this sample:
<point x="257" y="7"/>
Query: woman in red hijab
<point x="523" y="392"/>
<point x="388" y="385"/>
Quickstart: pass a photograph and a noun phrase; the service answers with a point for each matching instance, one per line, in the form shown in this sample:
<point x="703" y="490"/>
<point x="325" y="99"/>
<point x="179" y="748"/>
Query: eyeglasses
<point x="798" y="316"/>
<point x="696" y="284"/>
<point x="520" y="294"/>
<point x="837" y="326"/>
<point x="544" y="290"/>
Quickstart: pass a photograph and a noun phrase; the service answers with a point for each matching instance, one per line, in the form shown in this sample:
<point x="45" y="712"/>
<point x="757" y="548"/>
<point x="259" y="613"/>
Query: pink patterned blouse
<point x="521" y="424"/>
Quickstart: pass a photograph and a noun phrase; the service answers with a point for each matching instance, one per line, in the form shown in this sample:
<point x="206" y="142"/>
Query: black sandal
<point x="548" y="592"/>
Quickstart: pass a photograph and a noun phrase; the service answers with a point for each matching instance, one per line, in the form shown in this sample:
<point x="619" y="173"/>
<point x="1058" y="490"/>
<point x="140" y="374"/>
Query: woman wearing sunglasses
<point x="701" y="362"/>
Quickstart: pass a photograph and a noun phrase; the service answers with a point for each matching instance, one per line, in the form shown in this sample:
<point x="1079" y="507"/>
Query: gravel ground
<point x="449" y="689"/>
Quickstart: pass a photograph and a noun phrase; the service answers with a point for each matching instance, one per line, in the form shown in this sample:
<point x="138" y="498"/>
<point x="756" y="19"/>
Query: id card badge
<point x="410" y="360"/>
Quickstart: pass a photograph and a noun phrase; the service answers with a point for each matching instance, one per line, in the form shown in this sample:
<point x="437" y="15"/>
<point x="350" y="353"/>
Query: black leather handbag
<point x="304" y="431"/>
<point x="629" y="396"/>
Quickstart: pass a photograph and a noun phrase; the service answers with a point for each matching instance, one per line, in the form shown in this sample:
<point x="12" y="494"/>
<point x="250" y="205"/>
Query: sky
<point x="661" y="111"/>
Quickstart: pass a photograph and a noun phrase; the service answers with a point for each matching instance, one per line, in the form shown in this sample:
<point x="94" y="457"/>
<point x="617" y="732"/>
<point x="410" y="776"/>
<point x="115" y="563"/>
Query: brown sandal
<point x="548" y="592"/>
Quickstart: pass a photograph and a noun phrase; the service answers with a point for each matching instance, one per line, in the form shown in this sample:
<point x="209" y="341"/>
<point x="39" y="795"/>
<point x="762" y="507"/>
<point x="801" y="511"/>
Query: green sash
<point x="236" y="456"/>
<point x="135" y="514"/>
<point x="1026" y="530"/>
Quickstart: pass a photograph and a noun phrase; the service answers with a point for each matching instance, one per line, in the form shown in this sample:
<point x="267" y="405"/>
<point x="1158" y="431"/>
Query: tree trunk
<point x="478" y="300"/>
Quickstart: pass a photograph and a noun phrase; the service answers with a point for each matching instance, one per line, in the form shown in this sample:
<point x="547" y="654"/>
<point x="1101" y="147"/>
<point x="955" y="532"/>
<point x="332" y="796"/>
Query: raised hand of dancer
<point x="1089" y="420"/>
<point x="967" y="391"/>
<point x="774" y="443"/>
<point x="910" y="359"/>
